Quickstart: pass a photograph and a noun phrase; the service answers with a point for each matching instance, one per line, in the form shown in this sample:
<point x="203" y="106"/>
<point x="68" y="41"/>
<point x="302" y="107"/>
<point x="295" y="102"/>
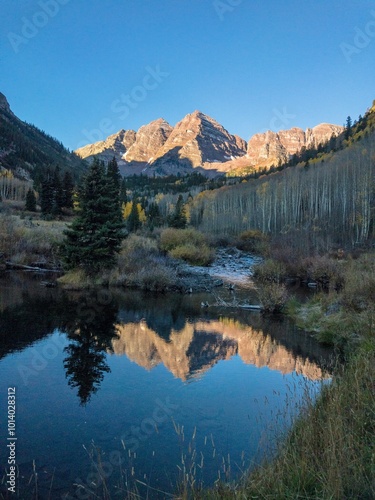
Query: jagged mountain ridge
<point x="116" y="145"/>
<point x="200" y="142"/>
<point x="197" y="141"/>
<point x="25" y="149"/>
<point x="271" y="147"/>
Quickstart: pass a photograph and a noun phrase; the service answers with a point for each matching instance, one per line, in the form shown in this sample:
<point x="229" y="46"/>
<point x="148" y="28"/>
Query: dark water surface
<point x="163" y="388"/>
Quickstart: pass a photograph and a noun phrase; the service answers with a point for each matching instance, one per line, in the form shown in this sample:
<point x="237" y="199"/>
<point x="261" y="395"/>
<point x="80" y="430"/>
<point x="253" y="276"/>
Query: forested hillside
<point x="324" y="202"/>
<point x="27" y="151"/>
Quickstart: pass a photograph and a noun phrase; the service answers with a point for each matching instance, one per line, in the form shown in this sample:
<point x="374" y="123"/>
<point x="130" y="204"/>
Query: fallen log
<point x="220" y="302"/>
<point x="255" y="307"/>
<point x="21" y="267"/>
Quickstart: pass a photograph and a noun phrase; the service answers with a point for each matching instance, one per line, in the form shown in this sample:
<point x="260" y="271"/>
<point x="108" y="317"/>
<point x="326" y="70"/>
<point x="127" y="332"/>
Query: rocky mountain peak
<point x="197" y="114"/>
<point x="149" y="139"/>
<point x="199" y="140"/>
<point x="321" y="133"/>
<point x="115" y="145"/>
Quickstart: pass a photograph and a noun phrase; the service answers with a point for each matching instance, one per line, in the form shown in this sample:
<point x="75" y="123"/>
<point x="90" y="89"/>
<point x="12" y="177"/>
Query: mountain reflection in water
<point x="199" y="345"/>
<point x="150" y="330"/>
<point x="93" y="367"/>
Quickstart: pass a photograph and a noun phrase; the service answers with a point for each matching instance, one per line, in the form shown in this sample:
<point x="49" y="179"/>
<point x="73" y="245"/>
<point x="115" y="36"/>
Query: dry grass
<point x="198" y="256"/>
<point x="270" y="271"/>
<point x="77" y="279"/>
<point x="341" y="318"/>
<point x="322" y="269"/>
<point x="254" y="241"/>
<point x="24" y="241"/>
<point x="330" y="451"/>
<point x="171" y="238"/>
<point x="139" y="265"/>
<point x="328" y="454"/>
<point x="187" y="244"/>
<point x="273" y="297"/>
<point x="359" y="290"/>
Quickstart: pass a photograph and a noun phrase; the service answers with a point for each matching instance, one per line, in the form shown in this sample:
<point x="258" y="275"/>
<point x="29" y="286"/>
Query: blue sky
<point x="82" y="69"/>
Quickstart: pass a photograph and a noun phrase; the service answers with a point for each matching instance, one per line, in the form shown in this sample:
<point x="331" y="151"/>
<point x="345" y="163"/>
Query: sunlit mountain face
<point x="200" y="142"/>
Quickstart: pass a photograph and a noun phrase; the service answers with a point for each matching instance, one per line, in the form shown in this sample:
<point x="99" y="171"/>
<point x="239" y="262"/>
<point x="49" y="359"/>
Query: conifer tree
<point x="67" y="187"/>
<point x="46" y="194"/>
<point x="123" y="194"/>
<point x="178" y="218"/>
<point x="348" y="127"/>
<point x="95" y="235"/>
<point x="30" y="204"/>
<point x="134" y="222"/>
<point x="113" y="173"/>
<point x="154" y="216"/>
<point x="58" y="194"/>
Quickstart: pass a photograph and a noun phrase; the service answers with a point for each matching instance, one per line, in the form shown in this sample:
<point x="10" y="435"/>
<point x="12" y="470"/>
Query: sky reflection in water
<point x="156" y="375"/>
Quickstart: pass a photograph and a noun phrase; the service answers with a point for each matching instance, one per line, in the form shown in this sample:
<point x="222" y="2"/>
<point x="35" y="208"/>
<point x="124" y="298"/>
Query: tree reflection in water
<point x="90" y="334"/>
<point x="150" y="330"/>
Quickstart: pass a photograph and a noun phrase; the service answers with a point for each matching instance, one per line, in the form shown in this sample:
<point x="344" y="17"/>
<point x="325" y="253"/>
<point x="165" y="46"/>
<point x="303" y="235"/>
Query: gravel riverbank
<point x="231" y="267"/>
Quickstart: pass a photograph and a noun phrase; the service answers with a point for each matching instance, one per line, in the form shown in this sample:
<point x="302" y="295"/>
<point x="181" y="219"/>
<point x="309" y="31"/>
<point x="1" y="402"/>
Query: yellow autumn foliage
<point x="127" y="208"/>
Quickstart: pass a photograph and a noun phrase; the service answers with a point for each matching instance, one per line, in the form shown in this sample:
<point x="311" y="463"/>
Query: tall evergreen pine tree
<point x="113" y="173"/>
<point x="30" y="204"/>
<point x="123" y="195"/>
<point x="133" y="222"/>
<point x="95" y="235"/>
<point x="68" y="187"/>
<point x="113" y="181"/>
<point x="58" y="194"/>
<point x="46" y="194"/>
<point x="348" y="127"/>
<point x="178" y="218"/>
<point x="154" y="216"/>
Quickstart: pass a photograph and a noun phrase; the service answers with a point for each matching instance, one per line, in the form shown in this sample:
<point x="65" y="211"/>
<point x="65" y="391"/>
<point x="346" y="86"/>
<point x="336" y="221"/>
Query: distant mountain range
<point x="196" y="143"/>
<point x="25" y="150"/>
<point x="200" y="142"/>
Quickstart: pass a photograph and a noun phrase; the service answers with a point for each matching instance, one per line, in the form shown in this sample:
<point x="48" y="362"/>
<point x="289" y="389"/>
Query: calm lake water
<point x="159" y="385"/>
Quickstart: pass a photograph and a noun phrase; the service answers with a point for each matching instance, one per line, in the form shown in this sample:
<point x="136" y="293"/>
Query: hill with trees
<point x="26" y="151"/>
